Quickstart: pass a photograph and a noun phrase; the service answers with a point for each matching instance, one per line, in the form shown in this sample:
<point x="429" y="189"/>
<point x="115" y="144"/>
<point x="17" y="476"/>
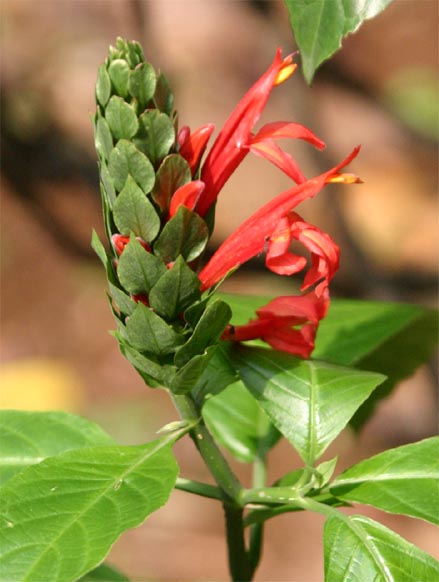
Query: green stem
<point x="239" y="564"/>
<point x="257" y="529"/>
<point x="270" y="495"/>
<point x="226" y="480"/>
<point x="212" y="456"/>
<point x="201" y="489"/>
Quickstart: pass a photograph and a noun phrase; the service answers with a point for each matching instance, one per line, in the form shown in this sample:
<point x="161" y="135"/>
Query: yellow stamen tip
<point x="344" y="179"/>
<point x="285" y="73"/>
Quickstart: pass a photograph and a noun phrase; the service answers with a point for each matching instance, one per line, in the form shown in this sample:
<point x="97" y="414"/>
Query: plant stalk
<point x="239" y="562"/>
<point x="212" y="456"/>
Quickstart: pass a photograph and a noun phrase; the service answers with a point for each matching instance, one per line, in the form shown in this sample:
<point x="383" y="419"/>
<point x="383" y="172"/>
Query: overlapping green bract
<point x="154" y="289"/>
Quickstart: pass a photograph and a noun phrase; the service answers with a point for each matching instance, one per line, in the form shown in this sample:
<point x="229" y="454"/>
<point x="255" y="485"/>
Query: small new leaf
<point x="125" y="159"/>
<point x="156" y="135"/>
<point x="121" y="118"/>
<point x="178" y="288"/>
<point x="119" y="72"/>
<point x="150" y="333"/>
<point x="142" y="84"/>
<point x="185" y="234"/>
<point x="133" y="212"/>
<point x="139" y="270"/>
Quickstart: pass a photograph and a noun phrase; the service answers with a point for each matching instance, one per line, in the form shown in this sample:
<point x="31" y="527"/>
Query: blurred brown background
<point x="381" y="91"/>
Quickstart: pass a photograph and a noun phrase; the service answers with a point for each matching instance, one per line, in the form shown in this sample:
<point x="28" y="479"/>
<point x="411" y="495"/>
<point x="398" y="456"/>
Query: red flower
<point x="264" y="228"/>
<point x="287" y="323"/>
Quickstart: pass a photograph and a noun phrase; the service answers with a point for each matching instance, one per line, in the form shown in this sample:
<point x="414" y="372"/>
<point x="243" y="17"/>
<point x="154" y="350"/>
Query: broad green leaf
<point x="103" y="86"/>
<point x="156" y="135"/>
<point x="173" y="172"/>
<point x="357" y="548"/>
<point x="185" y="234"/>
<point x="370" y="323"/>
<point x="121" y="118"/>
<point x="61" y="517"/>
<point x="125" y="159"/>
<point x="310" y="402"/>
<point x="206" y="333"/>
<point x="238" y="422"/>
<point x="150" y="333"/>
<point x="119" y="72"/>
<point x="29" y="437"/>
<point x="142" y="84"/>
<point x="178" y="288"/>
<point x="139" y="270"/>
<point x="104" y="573"/>
<point x="320" y="25"/>
<point x="103" y="138"/>
<point x="133" y="212"/>
<point x="390" y="338"/>
<point x="402" y="480"/>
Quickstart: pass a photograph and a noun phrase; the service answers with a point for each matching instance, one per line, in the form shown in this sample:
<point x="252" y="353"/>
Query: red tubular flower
<point x="232" y="144"/>
<point x="187" y="195"/>
<point x="192" y="145"/>
<point x="287" y="323"/>
<point x="325" y="253"/>
<point x="251" y="237"/>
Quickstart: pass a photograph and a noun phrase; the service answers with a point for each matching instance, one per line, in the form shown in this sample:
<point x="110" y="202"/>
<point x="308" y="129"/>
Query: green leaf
<point x="121" y="118"/>
<point x="319" y="26"/>
<point x="107" y="185"/>
<point x="150" y="333"/>
<point x="325" y="471"/>
<point x="29" y="437"/>
<point x="61" y="517"/>
<point x="103" y="138"/>
<point x="206" y="333"/>
<point x="310" y="402"/>
<point x="173" y="172"/>
<point x="218" y="375"/>
<point x="137" y="269"/>
<point x="133" y="212"/>
<point x="358" y="548"/>
<point x="185" y="234"/>
<point x="142" y="84"/>
<point x="187" y="377"/>
<point x="390" y="338"/>
<point x="153" y="373"/>
<point x="163" y="97"/>
<point x="99" y="248"/>
<point x="243" y="306"/>
<point x="103" y="86"/>
<point x="119" y="72"/>
<point x="156" y="135"/>
<point x="176" y="289"/>
<point x="123" y="302"/>
<point x="125" y="159"/>
<point x="403" y="480"/>
<point x="104" y="573"/>
<point x="238" y="423"/>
